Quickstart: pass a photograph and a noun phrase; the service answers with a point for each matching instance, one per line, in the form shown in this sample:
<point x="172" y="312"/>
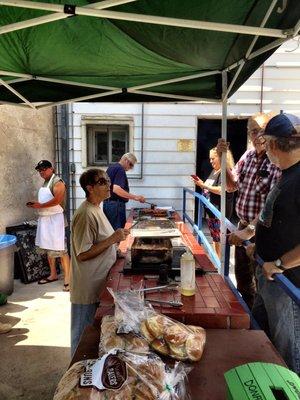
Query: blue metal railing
<point x="284" y="282"/>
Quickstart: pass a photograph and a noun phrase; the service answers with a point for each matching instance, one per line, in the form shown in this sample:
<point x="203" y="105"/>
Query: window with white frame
<point x="106" y="143"/>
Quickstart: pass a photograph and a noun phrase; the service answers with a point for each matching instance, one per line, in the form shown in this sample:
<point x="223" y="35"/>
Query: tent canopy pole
<point x="223" y="172"/>
<point x="263" y="23"/>
<point x="174" y="80"/>
<point x="57" y="16"/>
<point x="91" y="96"/>
<point x="16" y="93"/>
<point x="172" y="96"/>
<point x="151" y="19"/>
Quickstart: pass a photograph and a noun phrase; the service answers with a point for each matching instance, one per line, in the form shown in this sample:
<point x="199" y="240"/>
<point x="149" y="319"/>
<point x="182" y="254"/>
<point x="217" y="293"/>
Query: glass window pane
<point x="119" y="144"/>
<point x="101" y="147"/>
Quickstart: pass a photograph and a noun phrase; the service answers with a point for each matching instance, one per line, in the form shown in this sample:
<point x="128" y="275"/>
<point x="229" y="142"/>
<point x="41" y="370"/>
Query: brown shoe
<point x="4" y="328"/>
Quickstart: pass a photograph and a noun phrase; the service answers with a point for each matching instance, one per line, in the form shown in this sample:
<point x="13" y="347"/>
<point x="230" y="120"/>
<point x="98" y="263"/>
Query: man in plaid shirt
<point x="254" y="176"/>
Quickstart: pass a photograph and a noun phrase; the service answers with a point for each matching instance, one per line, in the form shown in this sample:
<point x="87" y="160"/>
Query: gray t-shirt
<point x="89" y="226"/>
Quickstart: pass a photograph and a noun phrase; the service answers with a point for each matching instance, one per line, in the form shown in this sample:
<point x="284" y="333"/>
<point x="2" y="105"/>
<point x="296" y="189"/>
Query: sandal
<point x="66" y="287"/>
<point x="46" y="280"/>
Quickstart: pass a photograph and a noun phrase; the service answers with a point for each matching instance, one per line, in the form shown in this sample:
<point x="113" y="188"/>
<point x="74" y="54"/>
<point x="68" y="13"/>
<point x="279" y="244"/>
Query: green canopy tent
<point x="137" y="50"/>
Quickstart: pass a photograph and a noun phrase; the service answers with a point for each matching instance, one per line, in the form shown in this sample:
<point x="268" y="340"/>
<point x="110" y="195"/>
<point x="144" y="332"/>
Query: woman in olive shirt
<point x="93" y="252"/>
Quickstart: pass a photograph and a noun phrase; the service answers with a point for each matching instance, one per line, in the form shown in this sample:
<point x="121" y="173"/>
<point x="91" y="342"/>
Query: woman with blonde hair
<point x="212" y="190"/>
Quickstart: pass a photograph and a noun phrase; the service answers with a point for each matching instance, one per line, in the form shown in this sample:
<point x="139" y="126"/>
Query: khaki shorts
<point x="53" y="253"/>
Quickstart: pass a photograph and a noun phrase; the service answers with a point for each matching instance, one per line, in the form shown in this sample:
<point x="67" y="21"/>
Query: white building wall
<point x="165" y="169"/>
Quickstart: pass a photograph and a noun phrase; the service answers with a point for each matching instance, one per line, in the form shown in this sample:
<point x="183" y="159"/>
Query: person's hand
<point x="237" y="238"/>
<point x="250" y="250"/>
<point x="222" y="146"/>
<point x="120" y="234"/>
<point x="141" y="199"/>
<point x="198" y="182"/>
<point x="34" y="204"/>
<point x="269" y="269"/>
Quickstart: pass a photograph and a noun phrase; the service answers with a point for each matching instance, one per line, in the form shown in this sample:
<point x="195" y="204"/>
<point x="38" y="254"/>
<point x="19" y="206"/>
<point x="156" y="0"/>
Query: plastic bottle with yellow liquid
<point x="187" y="274"/>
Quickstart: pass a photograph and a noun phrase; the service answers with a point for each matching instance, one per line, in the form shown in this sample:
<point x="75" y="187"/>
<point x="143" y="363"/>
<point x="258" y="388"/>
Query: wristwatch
<point x="251" y="227"/>
<point x="278" y="264"/>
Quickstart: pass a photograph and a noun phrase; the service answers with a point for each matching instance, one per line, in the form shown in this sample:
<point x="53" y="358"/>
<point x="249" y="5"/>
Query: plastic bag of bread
<point x="174" y="339"/>
<point x="120" y="375"/>
<point x="164" y="335"/>
<point x="130" y="310"/>
<point x="109" y="338"/>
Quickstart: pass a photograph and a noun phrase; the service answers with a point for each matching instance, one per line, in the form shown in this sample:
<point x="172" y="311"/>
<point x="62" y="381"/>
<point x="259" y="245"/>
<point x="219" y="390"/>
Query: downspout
<point x="56" y="135"/>
<point x="65" y="170"/>
<point x="142" y="143"/>
<point x="72" y="163"/>
<point x="223" y="172"/>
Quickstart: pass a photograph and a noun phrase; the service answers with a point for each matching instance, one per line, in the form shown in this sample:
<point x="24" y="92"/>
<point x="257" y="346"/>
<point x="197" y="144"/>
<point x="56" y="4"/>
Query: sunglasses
<point x="102" y="182"/>
<point x="131" y="165"/>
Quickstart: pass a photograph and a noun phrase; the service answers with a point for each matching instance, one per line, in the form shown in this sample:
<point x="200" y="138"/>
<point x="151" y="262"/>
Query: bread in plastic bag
<point x="164" y="335"/>
<point x="120" y="375"/>
<point x="130" y="310"/>
<point x="109" y="338"/>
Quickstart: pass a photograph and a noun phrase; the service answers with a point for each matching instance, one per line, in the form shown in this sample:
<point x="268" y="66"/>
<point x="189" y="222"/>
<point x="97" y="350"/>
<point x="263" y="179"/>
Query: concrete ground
<point x="36" y="352"/>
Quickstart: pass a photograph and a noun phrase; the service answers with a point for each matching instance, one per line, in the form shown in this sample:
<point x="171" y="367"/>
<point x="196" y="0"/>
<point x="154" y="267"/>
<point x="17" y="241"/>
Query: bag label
<point x="108" y="372"/>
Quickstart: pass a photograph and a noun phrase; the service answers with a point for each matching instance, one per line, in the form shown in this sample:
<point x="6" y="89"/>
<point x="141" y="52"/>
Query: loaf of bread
<point x="144" y="379"/>
<point x="168" y="337"/>
<point x="109" y="339"/>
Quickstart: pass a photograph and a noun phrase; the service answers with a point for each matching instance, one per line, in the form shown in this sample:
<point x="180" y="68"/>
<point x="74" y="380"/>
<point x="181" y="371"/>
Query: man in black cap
<point x="50" y="236"/>
<point x="278" y="240"/>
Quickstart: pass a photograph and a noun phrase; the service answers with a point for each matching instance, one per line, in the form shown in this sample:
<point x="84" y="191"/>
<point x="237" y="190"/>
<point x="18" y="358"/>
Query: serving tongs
<point x="152" y="205"/>
<point x="134" y="224"/>
<point x="170" y="286"/>
<point x="175" y="303"/>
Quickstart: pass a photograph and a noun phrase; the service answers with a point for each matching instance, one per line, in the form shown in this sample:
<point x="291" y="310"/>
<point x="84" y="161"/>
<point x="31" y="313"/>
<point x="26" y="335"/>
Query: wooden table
<point x="213" y="306"/>
<point x="224" y="349"/>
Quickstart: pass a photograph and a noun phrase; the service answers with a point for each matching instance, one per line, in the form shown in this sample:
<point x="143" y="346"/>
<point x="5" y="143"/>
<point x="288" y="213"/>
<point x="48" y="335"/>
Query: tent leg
<point x="223" y="172"/>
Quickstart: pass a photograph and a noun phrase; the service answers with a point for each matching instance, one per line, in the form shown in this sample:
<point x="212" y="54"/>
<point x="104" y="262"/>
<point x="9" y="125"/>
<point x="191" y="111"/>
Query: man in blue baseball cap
<point x="278" y="240"/>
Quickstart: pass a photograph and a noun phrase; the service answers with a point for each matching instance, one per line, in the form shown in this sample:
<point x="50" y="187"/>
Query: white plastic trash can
<point x="7" y="249"/>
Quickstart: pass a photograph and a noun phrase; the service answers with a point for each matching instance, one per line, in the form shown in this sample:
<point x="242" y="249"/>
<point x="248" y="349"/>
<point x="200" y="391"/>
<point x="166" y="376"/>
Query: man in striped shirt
<point x="254" y="175"/>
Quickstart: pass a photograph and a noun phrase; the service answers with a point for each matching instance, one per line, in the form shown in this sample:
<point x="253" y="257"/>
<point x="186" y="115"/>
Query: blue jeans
<point x="81" y="316"/>
<point x="279" y="316"/>
<point x="115" y="212"/>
